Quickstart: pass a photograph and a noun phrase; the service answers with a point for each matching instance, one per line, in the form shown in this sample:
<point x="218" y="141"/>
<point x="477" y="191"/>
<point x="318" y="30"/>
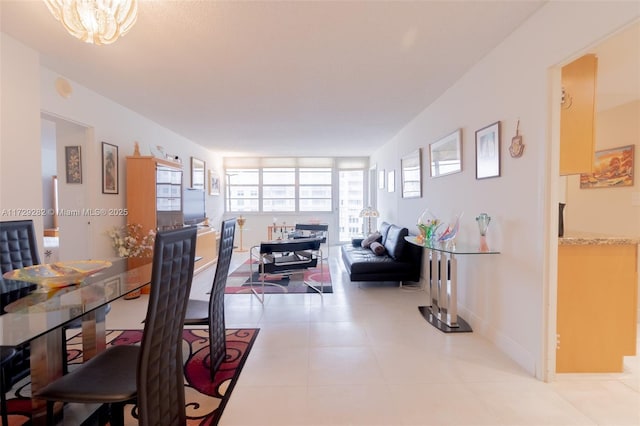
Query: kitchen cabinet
<point x="597" y="304"/>
<point x="577" y="115"/>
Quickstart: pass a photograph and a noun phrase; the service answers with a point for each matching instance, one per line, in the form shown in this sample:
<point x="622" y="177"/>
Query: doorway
<point x="66" y="154"/>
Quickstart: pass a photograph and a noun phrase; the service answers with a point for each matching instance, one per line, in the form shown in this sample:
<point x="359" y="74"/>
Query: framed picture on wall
<point x="197" y="173"/>
<point x="445" y="155"/>
<point x="73" y="164"/>
<point x="488" y="151"/>
<point x="391" y="181"/>
<point x="109" y="168"/>
<point x="411" y="174"/>
<point x="214" y="182"/>
<point x="381" y="178"/>
<point x="613" y="168"/>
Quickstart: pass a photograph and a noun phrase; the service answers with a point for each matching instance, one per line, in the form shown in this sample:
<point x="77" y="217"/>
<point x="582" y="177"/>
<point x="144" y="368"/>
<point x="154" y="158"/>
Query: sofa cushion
<point x="366" y="243"/>
<point x="384" y="228"/>
<point x="394" y="243"/>
<point x="377" y="248"/>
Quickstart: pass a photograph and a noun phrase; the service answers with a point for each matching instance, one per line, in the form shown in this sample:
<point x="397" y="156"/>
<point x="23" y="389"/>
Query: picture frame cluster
<point x="444" y="157"/>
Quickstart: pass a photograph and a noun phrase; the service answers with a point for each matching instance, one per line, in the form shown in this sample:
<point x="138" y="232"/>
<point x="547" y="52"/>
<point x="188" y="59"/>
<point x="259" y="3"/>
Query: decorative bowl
<point x="59" y="274"/>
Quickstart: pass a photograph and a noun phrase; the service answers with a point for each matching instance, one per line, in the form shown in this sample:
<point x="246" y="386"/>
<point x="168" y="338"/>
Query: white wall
<point x="29" y="89"/>
<point x="49" y="168"/>
<point x="112" y="123"/>
<point x="504" y="296"/>
<point x="20" y="131"/>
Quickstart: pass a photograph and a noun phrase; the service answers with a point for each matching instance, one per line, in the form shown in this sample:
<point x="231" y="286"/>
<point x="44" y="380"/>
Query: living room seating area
<point x="383" y="256"/>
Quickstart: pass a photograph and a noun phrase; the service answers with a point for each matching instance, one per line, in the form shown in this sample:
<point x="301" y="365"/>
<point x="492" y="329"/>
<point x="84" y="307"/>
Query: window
<point x="315" y="189"/>
<point x="242" y="190"/>
<point x="279" y="189"/>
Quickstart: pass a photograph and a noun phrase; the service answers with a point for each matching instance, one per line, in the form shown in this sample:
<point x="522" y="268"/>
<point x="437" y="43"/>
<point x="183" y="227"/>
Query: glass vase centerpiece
<point x="483" y="221"/>
<point x="448" y="237"/>
<point x="428" y="224"/>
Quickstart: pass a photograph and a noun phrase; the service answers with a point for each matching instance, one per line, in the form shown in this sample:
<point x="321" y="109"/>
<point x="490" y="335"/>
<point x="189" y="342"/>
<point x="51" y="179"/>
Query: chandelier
<point x="95" y="21"/>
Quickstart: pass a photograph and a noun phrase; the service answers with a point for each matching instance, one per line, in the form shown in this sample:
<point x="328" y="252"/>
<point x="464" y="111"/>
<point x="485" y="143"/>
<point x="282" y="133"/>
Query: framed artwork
<point x="411" y="174"/>
<point x="197" y="173"/>
<point x="109" y="168"/>
<point x="613" y="168"/>
<point x="214" y="183"/>
<point x="381" y="177"/>
<point x="488" y="151"/>
<point x="391" y="181"/>
<point x="73" y="164"/>
<point x="445" y="155"/>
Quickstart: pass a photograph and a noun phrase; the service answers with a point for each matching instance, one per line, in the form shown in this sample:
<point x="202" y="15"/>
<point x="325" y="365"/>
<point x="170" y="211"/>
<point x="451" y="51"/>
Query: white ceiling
<point x="314" y="78"/>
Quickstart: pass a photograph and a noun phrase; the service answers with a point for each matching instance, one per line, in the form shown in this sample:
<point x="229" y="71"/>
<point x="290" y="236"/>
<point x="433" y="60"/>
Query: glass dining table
<point x="40" y="317"/>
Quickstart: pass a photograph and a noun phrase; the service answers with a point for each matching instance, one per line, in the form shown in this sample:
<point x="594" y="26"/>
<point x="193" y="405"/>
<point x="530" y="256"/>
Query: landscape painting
<point x="613" y="168"/>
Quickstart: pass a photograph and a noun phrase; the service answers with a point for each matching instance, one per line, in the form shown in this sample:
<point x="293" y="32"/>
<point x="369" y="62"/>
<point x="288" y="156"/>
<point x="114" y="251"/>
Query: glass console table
<point x="443" y="284"/>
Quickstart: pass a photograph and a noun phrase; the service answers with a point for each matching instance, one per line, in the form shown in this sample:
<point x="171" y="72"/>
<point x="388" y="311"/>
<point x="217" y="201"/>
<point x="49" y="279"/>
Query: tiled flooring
<point x="364" y="356"/>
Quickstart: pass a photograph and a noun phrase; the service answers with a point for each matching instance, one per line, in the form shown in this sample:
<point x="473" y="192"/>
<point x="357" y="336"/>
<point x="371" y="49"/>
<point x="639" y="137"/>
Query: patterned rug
<point x="205" y="400"/>
<point x="239" y="280"/>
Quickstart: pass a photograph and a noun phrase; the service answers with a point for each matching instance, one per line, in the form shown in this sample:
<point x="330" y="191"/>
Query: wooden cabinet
<point x="154" y="195"/>
<point x="206" y="249"/>
<point x="154" y="200"/>
<point x="597" y="307"/>
<point x="577" y="116"/>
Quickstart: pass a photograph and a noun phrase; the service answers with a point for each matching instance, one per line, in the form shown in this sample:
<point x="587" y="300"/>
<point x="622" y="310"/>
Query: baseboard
<point x="506" y="344"/>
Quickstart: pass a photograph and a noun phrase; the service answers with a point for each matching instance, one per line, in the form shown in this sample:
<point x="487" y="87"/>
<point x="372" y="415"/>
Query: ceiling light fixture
<point x="95" y="21"/>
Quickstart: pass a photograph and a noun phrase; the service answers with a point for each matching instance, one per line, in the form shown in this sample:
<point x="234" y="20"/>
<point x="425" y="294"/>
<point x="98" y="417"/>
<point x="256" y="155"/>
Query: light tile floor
<point x="364" y="356"/>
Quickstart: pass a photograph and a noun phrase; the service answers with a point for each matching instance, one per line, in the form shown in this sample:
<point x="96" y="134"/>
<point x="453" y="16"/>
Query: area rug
<point x="205" y="399"/>
<point x="239" y="280"/>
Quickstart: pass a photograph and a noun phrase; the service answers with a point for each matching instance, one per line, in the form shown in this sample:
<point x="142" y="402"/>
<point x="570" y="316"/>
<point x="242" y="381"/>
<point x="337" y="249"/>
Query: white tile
<point x="364" y="356"/>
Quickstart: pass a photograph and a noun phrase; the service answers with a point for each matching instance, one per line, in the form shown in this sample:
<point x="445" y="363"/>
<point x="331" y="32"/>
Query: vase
<point x="483" y="221"/>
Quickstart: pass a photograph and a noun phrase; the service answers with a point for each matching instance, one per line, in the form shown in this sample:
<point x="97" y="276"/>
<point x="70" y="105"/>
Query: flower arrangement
<point x="131" y="241"/>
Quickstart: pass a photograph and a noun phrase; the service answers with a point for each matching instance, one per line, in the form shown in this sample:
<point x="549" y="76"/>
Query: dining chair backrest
<point x="18" y="249"/>
<point x="160" y="379"/>
<point x="18" y="246"/>
<point x="216" y="301"/>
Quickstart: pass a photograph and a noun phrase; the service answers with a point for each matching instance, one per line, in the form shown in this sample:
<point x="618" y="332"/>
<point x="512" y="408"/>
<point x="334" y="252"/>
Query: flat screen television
<point x="193" y="206"/>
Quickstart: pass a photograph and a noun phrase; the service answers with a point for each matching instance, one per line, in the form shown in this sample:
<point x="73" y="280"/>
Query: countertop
<point x="584" y="238"/>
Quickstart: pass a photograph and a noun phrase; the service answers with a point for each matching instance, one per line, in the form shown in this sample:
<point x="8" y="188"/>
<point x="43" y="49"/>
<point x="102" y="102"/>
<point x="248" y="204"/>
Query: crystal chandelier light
<point x="95" y="21"/>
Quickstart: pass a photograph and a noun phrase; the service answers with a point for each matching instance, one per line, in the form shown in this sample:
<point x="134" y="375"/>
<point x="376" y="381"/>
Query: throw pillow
<point x="366" y="243"/>
<point x="377" y="248"/>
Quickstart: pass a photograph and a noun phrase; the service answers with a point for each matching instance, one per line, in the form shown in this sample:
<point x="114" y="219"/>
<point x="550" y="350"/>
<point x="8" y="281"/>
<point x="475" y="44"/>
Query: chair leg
<point x="3" y="400"/>
<point x="50" y="419"/>
<point x="65" y="355"/>
<point x="117" y="414"/>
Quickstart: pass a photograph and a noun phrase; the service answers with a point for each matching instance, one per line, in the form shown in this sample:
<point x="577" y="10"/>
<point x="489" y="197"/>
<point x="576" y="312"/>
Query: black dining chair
<point x="18" y="249"/>
<point x="6" y="354"/>
<point x="211" y="313"/>
<point x="149" y="374"/>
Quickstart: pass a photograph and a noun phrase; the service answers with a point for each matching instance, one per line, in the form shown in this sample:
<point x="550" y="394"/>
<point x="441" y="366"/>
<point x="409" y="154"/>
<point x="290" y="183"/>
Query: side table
<point x="443" y="284"/>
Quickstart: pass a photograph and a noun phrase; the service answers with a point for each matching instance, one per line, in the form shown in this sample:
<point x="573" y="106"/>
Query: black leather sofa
<point x="401" y="261"/>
